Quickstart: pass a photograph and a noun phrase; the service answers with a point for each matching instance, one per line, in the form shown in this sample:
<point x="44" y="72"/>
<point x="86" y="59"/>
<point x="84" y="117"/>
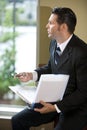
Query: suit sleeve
<point x="46" y="69"/>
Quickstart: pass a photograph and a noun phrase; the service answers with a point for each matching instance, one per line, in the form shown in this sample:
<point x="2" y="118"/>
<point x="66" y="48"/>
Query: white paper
<point x="26" y="93"/>
<point x="50" y="88"/>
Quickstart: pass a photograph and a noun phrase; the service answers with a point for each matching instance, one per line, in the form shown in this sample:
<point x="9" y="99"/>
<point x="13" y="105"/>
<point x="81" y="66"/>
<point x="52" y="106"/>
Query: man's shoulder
<point x="79" y="41"/>
<point x="79" y="47"/>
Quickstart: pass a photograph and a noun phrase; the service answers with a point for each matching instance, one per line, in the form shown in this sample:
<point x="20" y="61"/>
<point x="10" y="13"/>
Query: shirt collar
<point x="64" y="44"/>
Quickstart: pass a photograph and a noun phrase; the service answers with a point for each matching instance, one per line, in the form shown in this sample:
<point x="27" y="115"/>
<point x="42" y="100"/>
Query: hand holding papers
<point x="50" y="88"/>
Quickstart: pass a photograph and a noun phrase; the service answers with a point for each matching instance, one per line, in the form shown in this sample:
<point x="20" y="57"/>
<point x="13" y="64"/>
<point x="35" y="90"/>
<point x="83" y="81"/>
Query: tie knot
<point x="58" y="50"/>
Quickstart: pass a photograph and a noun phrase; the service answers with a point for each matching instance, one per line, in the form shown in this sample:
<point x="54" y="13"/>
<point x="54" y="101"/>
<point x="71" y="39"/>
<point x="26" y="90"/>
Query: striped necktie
<point x="57" y="54"/>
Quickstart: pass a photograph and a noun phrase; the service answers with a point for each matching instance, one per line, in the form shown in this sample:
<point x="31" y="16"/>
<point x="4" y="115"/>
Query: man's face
<point x="53" y="28"/>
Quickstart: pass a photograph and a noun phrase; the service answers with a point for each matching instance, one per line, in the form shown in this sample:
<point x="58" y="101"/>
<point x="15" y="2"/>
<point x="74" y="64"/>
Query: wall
<point x="78" y="6"/>
<point x="5" y="124"/>
<point x="43" y="37"/>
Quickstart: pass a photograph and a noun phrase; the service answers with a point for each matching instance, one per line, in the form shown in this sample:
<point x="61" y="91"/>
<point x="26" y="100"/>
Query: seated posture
<point x="70" y="59"/>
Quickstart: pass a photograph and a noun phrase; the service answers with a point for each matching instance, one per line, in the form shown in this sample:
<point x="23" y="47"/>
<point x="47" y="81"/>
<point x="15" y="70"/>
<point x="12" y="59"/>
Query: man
<point x="72" y="109"/>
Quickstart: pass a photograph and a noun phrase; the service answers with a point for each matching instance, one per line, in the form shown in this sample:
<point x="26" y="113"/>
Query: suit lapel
<point x="65" y="55"/>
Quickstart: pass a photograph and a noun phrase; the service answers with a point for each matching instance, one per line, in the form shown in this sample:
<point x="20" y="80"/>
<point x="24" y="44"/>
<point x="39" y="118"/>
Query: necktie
<point x="57" y="54"/>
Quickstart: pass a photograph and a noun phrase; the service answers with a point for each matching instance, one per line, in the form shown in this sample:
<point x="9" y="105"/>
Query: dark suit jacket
<point x="73" y="61"/>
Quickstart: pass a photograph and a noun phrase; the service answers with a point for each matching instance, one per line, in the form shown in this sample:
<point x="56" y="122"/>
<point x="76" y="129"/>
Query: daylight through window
<point x="17" y="44"/>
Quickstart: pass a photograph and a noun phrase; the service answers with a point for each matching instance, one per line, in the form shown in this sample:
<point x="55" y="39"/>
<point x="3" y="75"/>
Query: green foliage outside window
<point x="7" y="68"/>
<point x="7" y="56"/>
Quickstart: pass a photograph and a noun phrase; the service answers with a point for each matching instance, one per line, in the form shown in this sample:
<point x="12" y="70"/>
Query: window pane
<point x="17" y="44"/>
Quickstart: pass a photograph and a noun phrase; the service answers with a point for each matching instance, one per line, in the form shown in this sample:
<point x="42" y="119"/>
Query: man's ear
<point x="64" y="27"/>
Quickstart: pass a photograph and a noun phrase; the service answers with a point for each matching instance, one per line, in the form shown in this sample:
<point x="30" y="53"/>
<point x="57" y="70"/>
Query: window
<point x="17" y="44"/>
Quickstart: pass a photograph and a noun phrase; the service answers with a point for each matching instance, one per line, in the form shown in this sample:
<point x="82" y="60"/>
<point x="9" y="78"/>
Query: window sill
<point x="7" y="111"/>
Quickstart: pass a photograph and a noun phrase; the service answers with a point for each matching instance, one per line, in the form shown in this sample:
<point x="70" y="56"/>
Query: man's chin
<point x="50" y="36"/>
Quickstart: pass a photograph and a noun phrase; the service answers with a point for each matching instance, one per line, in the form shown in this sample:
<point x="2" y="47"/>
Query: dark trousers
<point x="71" y="121"/>
<point x="28" y="118"/>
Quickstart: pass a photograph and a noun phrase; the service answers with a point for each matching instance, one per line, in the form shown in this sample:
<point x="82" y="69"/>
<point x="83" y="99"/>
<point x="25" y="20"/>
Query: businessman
<point x="68" y="55"/>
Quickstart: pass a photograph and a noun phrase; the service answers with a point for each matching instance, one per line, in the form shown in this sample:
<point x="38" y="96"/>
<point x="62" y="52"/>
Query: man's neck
<point x="63" y="38"/>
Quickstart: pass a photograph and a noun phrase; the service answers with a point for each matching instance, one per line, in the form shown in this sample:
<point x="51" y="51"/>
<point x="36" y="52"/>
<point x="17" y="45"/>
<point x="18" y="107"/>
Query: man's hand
<point x="24" y="76"/>
<point x="47" y="107"/>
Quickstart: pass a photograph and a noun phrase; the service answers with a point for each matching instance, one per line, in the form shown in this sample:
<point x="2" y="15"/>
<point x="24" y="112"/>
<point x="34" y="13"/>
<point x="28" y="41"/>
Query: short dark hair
<point x="66" y="15"/>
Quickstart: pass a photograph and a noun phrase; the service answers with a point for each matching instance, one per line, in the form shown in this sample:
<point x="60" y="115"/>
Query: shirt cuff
<point x="57" y="109"/>
<point x="35" y="76"/>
